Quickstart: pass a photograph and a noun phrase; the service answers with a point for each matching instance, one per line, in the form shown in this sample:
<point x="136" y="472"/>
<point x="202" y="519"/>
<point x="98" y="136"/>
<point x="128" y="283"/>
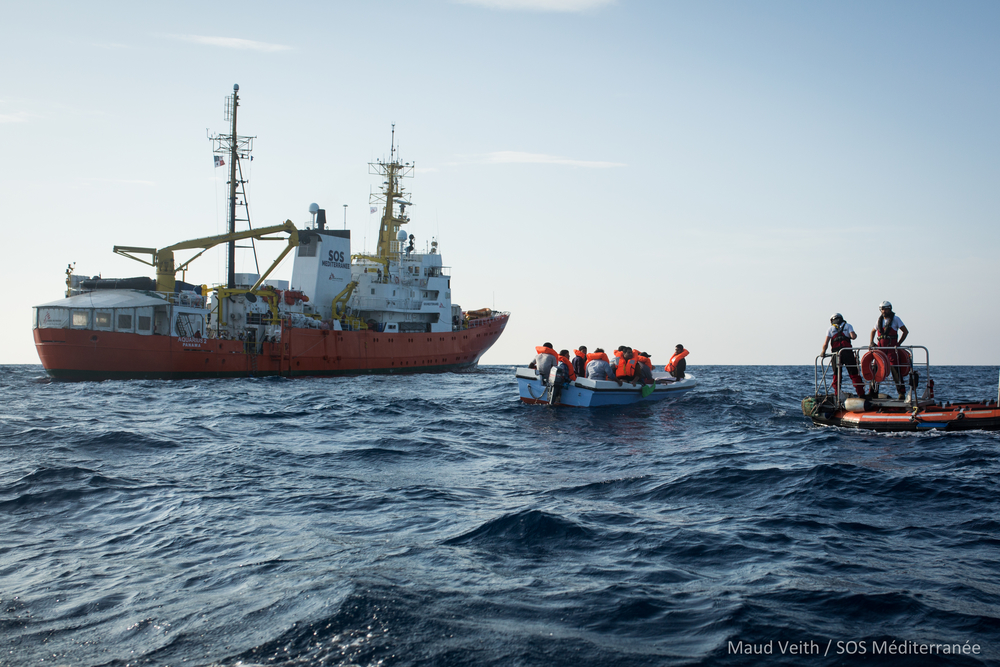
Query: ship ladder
<point x="250" y="349"/>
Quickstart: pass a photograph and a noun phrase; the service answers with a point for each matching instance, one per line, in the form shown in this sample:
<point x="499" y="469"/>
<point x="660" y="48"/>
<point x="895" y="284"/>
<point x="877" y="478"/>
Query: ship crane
<point x="166" y="269"/>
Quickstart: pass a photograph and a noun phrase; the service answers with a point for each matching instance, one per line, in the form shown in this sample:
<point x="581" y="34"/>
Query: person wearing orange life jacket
<point x="888" y="326"/>
<point x="580" y="361"/>
<point x="598" y="367"/>
<point x="545" y="359"/>
<point x="625" y="371"/>
<point x="839" y="337"/>
<point x="643" y="368"/>
<point x="677" y="364"/>
<point x="566" y="366"/>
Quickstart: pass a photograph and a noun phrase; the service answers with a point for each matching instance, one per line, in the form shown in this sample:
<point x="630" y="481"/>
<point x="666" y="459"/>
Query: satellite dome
<point x="314" y="207"/>
<point x="401" y="236"/>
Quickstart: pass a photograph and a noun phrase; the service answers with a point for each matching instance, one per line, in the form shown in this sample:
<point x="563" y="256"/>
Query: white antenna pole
<point x="345" y="216"/>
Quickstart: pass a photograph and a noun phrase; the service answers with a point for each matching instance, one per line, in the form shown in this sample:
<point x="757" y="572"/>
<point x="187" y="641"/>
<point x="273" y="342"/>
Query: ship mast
<point x="234" y="148"/>
<point x="231" y="251"/>
<point x="391" y="195"/>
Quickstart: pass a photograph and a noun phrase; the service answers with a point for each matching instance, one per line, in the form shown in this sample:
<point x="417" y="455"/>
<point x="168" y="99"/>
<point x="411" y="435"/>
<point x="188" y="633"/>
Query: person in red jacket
<point x="887" y="328"/>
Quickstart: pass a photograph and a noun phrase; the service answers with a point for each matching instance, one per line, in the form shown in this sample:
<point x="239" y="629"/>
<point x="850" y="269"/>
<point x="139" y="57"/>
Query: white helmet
<point x="836" y="319"/>
<point x="885" y="304"/>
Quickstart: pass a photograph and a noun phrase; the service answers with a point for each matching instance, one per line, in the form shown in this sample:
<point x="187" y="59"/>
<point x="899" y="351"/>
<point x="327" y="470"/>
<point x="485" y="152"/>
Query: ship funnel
<point x="321" y="218"/>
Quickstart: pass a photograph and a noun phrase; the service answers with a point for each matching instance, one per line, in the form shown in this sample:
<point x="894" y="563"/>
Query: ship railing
<point x="486" y="321"/>
<point x="910" y="364"/>
<point x="185" y="299"/>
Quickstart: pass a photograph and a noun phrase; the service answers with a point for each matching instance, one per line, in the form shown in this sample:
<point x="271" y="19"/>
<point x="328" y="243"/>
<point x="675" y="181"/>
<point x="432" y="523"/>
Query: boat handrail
<point x="824" y="364"/>
<point x="484" y="321"/>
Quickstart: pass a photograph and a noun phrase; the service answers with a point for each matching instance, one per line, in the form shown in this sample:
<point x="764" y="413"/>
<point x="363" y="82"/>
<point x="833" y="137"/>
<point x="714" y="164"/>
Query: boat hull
<point x="956" y="417"/>
<point x="76" y="354"/>
<point x="584" y="393"/>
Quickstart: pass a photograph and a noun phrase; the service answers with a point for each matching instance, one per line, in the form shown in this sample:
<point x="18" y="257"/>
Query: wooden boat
<point x="586" y="393"/>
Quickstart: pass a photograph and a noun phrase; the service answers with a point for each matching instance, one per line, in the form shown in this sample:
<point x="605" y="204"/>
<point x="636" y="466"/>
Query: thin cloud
<point x="118" y="181"/>
<point x="540" y="5"/>
<point x="232" y="43"/>
<point x="516" y="157"/>
<point x="19" y="117"/>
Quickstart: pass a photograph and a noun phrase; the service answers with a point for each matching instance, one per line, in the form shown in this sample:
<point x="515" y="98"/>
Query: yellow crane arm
<point x="163" y="259"/>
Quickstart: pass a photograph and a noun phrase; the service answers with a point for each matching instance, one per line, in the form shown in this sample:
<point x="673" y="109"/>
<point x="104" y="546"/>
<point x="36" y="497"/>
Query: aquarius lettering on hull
<point x="389" y="311"/>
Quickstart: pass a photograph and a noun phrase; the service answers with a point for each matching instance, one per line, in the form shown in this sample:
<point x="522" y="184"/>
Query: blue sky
<point x="720" y="174"/>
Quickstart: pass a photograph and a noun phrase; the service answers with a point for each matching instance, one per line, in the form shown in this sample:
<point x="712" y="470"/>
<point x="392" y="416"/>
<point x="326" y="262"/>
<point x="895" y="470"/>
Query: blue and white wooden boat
<point x="585" y="393"/>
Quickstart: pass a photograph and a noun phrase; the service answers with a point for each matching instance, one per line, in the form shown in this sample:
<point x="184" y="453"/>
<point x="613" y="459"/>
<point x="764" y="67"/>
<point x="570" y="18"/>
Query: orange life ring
<point x="875" y="365"/>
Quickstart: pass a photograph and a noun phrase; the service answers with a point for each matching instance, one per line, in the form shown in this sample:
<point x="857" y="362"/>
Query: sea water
<point x="436" y="520"/>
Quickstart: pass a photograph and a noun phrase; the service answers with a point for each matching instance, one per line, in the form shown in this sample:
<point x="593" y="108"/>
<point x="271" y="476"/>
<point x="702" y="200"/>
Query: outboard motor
<point x="556" y="380"/>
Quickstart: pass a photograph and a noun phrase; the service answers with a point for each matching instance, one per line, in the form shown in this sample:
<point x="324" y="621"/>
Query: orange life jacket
<point x="645" y="362"/>
<point x="672" y="364"/>
<point x="591" y="356"/>
<point x="569" y="365"/>
<point x="541" y="349"/>
<point x="626" y="369"/>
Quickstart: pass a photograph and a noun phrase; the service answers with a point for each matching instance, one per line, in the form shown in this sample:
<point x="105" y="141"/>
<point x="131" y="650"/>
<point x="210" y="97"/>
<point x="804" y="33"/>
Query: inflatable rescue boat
<point x="916" y="410"/>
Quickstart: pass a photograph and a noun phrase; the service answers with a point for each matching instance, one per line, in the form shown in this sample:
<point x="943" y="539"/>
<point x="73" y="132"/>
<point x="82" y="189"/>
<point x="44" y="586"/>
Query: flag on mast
<point x="219" y="162"/>
<point x="374" y="208"/>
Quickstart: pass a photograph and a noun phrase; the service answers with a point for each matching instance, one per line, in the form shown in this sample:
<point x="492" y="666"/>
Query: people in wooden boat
<point x="545" y="359"/>
<point x="643" y="368"/>
<point x="625" y="370"/>
<point x="839" y="337"/>
<point x="887" y="328"/>
<point x="677" y="364"/>
<point x="580" y="361"/>
<point x="598" y="367"/>
<point x="566" y="366"/>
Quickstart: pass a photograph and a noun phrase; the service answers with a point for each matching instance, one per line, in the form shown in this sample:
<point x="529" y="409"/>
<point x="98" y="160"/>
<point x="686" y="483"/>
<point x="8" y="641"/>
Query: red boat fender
<point x="903" y="362"/>
<point x="674" y="359"/>
<point x="875" y="365"/>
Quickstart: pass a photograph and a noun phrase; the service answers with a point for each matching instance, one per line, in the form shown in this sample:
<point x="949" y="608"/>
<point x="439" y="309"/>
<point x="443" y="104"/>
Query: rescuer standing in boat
<point x="839" y="339"/>
<point x="887" y="327"/>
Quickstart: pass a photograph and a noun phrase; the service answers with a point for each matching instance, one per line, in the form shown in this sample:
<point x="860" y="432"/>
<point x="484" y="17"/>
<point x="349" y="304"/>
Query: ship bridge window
<point x="80" y="319"/>
<point x="431" y="294"/>
<point x="144" y="323"/>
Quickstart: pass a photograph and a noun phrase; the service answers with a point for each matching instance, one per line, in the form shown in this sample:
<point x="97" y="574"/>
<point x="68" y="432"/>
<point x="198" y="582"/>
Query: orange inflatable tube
<point x="875" y="365"/>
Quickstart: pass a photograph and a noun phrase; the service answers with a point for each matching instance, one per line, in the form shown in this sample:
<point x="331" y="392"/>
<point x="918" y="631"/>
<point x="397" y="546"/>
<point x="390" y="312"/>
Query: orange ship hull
<point x="76" y="354"/>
